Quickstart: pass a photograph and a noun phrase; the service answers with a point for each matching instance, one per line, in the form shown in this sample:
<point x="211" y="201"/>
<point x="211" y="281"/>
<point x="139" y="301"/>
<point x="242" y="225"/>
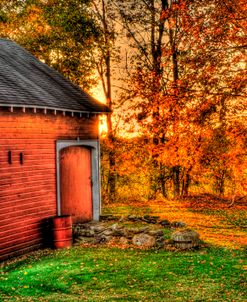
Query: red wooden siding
<point x="28" y="190"/>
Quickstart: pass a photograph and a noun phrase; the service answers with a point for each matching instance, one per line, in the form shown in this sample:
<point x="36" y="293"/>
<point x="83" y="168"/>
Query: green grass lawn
<point x="110" y="274"/>
<point x="216" y="272"/>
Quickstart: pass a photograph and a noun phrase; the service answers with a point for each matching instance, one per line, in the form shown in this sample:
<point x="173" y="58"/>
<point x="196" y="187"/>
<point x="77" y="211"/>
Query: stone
<point x="87" y="233"/>
<point x="160" y="242"/>
<point x="82" y="240"/>
<point x="134" y="218"/>
<point x="123" y="219"/>
<point x="165" y="223"/>
<point x="101" y="239"/>
<point x="123" y="240"/>
<point x="144" y="240"/>
<point x="107" y="232"/>
<point x="156" y="233"/>
<point x="178" y="224"/>
<point x="145" y="229"/>
<point x="108" y="217"/>
<point x="82" y="226"/>
<point x="150" y="219"/>
<point x="114" y="226"/>
<point x="185" y="239"/>
<point x="118" y="233"/>
<point x="99" y="228"/>
<point x="127" y="233"/>
<point x="113" y="230"/>
<point x="145" y="235"/>
<point x="135" y="231"/>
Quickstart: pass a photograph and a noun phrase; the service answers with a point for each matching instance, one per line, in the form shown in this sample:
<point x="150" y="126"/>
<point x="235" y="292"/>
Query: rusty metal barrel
<point x="62" y="231"/>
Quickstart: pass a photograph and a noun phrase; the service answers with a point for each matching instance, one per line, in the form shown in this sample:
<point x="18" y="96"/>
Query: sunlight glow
<point x="98" y="94"/>
<point x="102" y="125"/>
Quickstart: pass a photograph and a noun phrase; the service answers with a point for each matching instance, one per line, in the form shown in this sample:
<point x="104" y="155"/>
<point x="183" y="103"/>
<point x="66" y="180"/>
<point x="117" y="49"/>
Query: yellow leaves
<point x="33" y="21"/>
<point x="34" y="13"/>
<point x="26" y="286"/>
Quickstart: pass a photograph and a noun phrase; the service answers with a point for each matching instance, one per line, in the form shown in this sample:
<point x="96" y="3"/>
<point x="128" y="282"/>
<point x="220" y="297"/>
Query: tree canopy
<point x="186" y="67"/>
<point x="182" y="70"/>
<point x="62" y="33"/>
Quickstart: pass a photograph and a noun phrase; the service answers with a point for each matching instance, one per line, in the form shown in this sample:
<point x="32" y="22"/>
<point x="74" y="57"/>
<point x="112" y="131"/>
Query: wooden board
<point x="75" y="183"/>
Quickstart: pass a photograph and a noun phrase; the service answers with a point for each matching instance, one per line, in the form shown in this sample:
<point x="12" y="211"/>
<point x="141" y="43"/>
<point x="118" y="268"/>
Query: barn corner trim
<point x="95" y="164"/>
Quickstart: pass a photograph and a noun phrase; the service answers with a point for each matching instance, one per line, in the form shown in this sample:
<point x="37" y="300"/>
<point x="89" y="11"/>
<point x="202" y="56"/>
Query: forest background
<point x="174" y="74"/>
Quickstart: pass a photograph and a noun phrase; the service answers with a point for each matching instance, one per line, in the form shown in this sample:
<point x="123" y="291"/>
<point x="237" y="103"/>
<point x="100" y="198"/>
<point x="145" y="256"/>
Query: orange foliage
<point x="189" y="97"/>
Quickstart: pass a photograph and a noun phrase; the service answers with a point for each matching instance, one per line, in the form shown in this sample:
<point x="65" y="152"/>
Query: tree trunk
<point x="108" y="95"/>
<point x="163" y="180"/>
<point x="112" y="161"/>
<point x="220" y="183"/>
<point x="176" y="180"/>
<point x="186" y="184"/>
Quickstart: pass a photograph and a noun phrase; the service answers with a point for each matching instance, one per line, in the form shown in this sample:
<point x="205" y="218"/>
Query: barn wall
<point x="28" y="190"/>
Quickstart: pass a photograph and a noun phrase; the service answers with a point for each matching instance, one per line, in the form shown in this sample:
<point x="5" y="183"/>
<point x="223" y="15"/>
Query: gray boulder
<point x="185" y="239"/>
<point x="144" y="240"/>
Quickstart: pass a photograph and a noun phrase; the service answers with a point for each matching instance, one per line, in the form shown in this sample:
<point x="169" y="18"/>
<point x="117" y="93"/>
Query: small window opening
<point x="21" y="158"/>
<point x="10" y="157"/>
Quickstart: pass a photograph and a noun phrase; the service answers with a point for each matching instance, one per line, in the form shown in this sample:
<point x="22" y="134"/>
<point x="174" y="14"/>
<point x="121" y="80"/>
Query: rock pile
<point x="102" y="233"/>
<point x="149" y="233"/>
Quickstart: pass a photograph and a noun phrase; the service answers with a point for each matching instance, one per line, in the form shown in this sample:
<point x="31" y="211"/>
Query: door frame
<point x="95" y="166"/>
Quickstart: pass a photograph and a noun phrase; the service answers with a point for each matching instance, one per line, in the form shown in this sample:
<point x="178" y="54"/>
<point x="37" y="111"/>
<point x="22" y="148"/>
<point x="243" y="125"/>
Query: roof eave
<point x="54" y="108"/>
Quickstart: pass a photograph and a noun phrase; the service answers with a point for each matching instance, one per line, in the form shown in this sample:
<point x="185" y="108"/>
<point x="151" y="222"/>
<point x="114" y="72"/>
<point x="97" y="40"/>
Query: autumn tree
<point x="220" y="83"/>
<point x="62" y="33"/>
<point x="144" y="28"/>
<point x="184" y="85"/>
<point x="105" y="58"/>
<point x="188" y="76"/>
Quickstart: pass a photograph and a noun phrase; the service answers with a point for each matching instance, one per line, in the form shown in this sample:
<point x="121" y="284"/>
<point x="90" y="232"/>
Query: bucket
<point x="62" y="231"/>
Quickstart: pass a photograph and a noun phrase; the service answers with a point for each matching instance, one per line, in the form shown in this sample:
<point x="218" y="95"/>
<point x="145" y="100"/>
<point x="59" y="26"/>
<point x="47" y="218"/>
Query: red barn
<point x="49" y="150"/>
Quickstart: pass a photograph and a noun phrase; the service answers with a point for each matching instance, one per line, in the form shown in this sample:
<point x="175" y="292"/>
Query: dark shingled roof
<point x="27" y="82"/>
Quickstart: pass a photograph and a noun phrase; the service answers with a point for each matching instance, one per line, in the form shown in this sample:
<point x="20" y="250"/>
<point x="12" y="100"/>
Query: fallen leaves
<point x="210" y="216"/>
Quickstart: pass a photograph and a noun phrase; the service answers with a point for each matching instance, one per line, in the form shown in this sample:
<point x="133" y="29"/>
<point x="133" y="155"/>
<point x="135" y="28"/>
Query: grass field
<point x="216" y="272"/>
<point x="109" y="274"/>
